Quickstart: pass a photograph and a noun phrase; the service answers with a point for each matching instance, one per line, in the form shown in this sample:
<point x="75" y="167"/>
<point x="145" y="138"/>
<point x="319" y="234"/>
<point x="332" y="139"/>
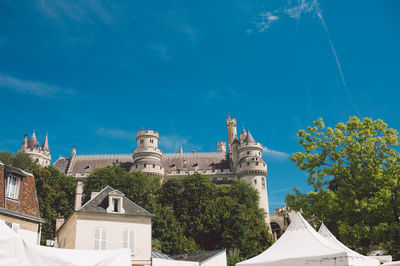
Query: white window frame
<point x="13" y="184"/>
<point x="100" y="243"/>
<point x="128" y="239"/>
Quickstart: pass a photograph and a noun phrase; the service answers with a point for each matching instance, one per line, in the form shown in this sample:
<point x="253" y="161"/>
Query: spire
<point x="181" y="150"/>
<point x="32" y="142"/>
<point x="45" y="145"/>
<point x="249" y="138"/>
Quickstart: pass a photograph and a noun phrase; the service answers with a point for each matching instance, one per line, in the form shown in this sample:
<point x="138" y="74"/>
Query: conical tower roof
<point x="32" y="142"/>
<point x="249" y="138"/>
<point x="45" y="145"/>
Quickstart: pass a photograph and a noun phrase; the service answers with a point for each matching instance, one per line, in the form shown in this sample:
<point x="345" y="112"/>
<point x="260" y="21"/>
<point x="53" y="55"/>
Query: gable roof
<point x="99" y="204"/>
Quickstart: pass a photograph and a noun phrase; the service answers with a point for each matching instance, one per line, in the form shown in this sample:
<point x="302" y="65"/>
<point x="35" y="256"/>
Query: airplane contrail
<point x="338" y="63"/>
<point x="298" y="19"/>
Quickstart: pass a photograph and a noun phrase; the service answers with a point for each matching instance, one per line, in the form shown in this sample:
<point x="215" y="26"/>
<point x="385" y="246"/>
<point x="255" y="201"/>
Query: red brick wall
<point x="1" y="186"/>
<point x="27" y="202"/>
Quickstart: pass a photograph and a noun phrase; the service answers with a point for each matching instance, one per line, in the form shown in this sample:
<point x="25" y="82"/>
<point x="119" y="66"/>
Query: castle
<point x="40" y="155"/>
<point x="242" y="161"/>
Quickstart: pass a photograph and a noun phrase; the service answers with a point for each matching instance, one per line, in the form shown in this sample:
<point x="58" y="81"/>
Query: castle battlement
<point x="147" y="132"/>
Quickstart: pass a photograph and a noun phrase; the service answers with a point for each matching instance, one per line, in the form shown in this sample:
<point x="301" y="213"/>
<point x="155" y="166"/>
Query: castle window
<point x="255" y="181"/>
<point x="214" y="178"/>
<point x="144" y="165"/>
<point x="225" y="178"/>
<point x="151" y="140"/>
<point x="136" y="166"/>
<point x="128" y="239"/>
<point x="257" y="163"/>
<point x="222" y="170"/>
<point x="248" y="163"/>
<point x="154" y="166"/>
<point x="248" y="153"/>
<point x="264" y="164"/>
<point x="13" y="187"/>
<point x="141" y="141"/>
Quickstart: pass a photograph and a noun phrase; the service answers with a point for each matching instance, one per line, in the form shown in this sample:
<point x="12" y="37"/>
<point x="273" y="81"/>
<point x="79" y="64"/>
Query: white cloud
<point x="31" y="87"/>
<point x="292" y="9"/>
<point x="116" y="133"/>
<point x="79" y="11"/>
<point x="280" y="190"/>
<point x="171" y="142"/>
<point x="273" y="154"/>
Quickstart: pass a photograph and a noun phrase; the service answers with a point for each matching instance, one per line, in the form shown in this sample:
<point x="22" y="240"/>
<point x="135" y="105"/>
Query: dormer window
<point x="115" y="202"/>
<point x="13" y="184"/>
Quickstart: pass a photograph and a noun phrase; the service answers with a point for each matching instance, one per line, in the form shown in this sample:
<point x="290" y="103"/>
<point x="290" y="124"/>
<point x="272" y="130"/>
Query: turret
<point x="147" y="156"/>
<point x="231" y="128"/>
<point x="40" y="155"/>
<point x="253" y="169"/>
<point x="221" y="146"/>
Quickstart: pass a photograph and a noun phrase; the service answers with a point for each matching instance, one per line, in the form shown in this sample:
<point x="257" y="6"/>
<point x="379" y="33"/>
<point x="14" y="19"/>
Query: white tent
<point x="15" y="251"/>
<point x="300" y="245"/>
<point x="355" y="259"/>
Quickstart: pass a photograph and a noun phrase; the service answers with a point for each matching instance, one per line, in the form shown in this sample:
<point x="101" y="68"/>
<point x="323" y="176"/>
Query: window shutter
<point x="96" y="241"/>
<point x="103" y="238"/>
<point x="125" y="238"/>
<point x="131" y="241"/>
<point x="15" y="227"/>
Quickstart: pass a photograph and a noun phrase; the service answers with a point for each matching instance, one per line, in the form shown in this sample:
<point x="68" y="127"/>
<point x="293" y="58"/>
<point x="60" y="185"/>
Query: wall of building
<point x="114" y="224"/>
<point x="28" y="231"/>
<point x="67" y="234"/>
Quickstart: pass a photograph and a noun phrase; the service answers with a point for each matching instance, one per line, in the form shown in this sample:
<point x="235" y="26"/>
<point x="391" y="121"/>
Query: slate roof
<point x="99" y="204"/>
<point x="45" y="145"/>
<point x="249" y="138"/>
<point x="169" y="161"/>
<point x="32" y="142"/>
<point x="199" y="257"/>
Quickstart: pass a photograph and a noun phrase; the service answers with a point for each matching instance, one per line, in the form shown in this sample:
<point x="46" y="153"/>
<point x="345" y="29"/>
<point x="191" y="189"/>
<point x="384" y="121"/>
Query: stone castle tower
<point x="39" y="154"/>
<point x="147" y="156"/>
<point x="245" y="160"/>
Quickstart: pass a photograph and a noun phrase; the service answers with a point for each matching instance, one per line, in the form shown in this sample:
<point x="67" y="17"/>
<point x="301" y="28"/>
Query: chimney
<point x="73" y="151"/>
<point x="25" y="142"/>
<point x="59" y="221"/>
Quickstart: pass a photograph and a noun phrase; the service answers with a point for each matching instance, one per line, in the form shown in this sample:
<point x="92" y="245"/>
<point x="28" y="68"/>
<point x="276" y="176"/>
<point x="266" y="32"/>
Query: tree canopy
<point x="354" y="170"/>
<point x="193" y="213"/>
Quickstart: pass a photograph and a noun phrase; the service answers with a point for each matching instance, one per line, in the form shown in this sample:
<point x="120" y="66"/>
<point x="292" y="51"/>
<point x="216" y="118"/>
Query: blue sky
<point x="92" y="73"/>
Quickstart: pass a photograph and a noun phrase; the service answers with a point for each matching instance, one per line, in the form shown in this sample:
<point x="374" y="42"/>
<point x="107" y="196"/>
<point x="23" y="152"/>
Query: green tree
<point x="354" y="169"/>
<point x="20" y="160"/>
<point x="218" y="217"/>
<point x="139" y="187"/>
<point x="55" y="192"/>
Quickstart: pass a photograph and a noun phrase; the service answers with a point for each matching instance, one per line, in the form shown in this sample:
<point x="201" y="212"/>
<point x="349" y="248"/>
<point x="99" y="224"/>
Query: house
<point x="109" y="220"/>
<point x="19" y="207"/>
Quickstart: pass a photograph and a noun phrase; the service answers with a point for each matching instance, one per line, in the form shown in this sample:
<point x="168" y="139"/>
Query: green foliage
<point x="354" y="169"/>
<point x="217" y="217"/>
<point x="192" y="213"/>
<point x="137" y="186"/>
<point x="55" y="192"/>
<point x="20" y="160"/>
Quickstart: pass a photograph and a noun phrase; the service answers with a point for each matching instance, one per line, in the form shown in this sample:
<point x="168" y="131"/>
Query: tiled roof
<point x="99" y="204"/>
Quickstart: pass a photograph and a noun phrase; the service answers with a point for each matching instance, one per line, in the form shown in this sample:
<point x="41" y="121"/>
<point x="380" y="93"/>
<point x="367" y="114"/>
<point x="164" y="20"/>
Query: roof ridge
<point x="93" y="198"/>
